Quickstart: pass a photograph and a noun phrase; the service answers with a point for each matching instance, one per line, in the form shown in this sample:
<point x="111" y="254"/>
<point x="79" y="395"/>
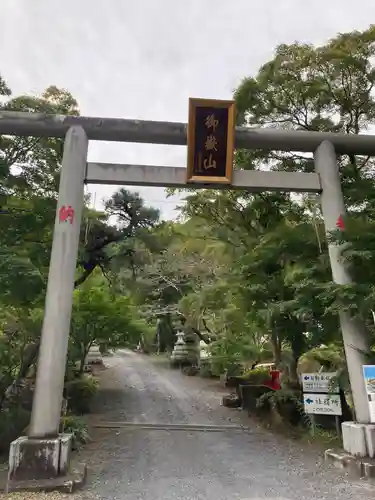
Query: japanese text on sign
<point x="66" y="214"/>
<point x="210" y="141"/>
<point x="322" y="404"/>
<point x="320" y="382"/>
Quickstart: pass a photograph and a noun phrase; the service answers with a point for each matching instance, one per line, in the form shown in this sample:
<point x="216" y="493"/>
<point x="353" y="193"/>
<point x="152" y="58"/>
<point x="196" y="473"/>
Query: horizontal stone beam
<point x="152" y="132"/>
<point x="175" y="177"/>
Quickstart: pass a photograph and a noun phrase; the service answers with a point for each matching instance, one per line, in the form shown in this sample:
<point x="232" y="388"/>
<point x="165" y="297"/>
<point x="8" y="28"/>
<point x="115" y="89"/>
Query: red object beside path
<point x="274" y="383"/>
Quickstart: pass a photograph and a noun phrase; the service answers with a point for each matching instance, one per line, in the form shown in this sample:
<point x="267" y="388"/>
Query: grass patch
<point x="324" y="438"/>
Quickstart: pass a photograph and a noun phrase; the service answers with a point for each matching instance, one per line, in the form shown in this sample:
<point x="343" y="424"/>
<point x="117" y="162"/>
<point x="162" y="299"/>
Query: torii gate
<point x="44" y="440"/>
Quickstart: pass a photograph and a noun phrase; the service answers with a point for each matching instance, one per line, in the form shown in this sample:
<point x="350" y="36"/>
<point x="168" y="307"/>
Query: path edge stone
<point x="363" y="468"/>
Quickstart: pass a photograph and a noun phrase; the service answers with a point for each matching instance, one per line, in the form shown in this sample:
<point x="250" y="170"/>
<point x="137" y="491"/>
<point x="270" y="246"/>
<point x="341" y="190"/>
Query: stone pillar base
<point x="370" y="440"/>
<point x="358" y="439"/>
<point x="39" y="459"/>
<point x="354" y="439"/>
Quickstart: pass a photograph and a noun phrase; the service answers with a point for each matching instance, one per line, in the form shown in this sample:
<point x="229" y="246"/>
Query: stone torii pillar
<point x="358" y="436"/>
<point x="44" y="453"/>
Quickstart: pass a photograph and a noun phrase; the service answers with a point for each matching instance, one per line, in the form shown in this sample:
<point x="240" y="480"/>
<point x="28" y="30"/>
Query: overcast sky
<point x="144" y="58"/>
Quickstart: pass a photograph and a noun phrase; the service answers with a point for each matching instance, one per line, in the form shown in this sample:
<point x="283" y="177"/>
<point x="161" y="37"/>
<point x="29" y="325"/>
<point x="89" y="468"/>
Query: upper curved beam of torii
<point x="155" y="132"/>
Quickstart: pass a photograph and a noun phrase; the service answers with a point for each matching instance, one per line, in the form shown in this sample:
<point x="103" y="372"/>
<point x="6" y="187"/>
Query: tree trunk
<point x="293" y="373"/>
<point x="30" y="355"/>
<point x="82" y="364"/>
<point x="276" y="346"/>
<point x="201" y="336"/>
<point x="84" y="352"/>
<point x="297" y="350"/>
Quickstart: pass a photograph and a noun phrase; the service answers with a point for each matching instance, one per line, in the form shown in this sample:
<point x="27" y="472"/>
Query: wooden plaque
<point x="211" y="130"/>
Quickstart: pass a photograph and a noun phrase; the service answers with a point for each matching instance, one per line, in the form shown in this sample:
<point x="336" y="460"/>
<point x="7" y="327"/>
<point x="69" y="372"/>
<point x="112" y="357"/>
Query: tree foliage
<point x="103" y="318"/>
<point x="277" y="280"/>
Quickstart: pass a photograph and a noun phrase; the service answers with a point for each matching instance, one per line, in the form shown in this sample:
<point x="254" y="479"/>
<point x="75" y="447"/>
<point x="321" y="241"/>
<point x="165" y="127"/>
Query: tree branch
<point x="84" y="276"/>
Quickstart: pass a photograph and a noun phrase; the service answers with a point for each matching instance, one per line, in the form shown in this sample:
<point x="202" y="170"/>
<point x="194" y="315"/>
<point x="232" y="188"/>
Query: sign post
<point x="210" y="141"/>
<point x="321" y="396"/>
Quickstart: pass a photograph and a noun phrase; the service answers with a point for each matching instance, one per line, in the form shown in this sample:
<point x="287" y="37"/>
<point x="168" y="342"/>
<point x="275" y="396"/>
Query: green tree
<point x="104" y="246"/>
<point x="280" y="265"/>
<point x="102" y="318"/>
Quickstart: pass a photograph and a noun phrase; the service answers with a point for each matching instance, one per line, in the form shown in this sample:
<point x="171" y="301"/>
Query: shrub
<point x="13" y="422"/>
<point x="78" y="428"/>
<point x="234" y="370"/>
<point x="285" y="404"/>
<point x="79" y="394"/>
<point x="249" y="395"/>
<point x="205" y="369"/>
<point x="258" y="376"/>
<point x="71" y="372"/>
<point x="20" y="393"/>
<point x="224" y="365"/>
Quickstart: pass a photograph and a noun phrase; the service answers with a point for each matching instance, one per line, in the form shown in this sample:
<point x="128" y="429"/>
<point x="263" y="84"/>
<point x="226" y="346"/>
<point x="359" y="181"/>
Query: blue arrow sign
<point x="309" y="401"/>
<point x="306" y="377"/>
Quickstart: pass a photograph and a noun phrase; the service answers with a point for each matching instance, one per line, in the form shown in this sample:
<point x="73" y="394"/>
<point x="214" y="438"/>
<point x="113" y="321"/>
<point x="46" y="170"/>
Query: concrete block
<point x="370" y="440"/>
<point x="66" y="441"/>
<point x="342" y="460"/>
<point x="67" y="484"/>
<point x="369" y="470"/>
<point x="31" y="459"/>
<point x="354" y="439"/>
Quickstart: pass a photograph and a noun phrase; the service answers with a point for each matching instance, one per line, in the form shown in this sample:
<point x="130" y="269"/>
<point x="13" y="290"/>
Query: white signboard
<point x="322" y="404"/>
<point x="369" y="376"/>
<point x="319" y="382"/>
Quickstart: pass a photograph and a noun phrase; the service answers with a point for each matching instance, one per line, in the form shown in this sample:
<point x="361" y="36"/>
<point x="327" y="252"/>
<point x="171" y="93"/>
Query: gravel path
<point x="148" y="464"/>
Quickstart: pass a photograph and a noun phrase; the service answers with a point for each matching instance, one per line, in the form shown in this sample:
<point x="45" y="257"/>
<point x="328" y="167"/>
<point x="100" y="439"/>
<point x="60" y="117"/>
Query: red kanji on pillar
<point x="340" y="223"/>
<point x="66" y="214"/>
